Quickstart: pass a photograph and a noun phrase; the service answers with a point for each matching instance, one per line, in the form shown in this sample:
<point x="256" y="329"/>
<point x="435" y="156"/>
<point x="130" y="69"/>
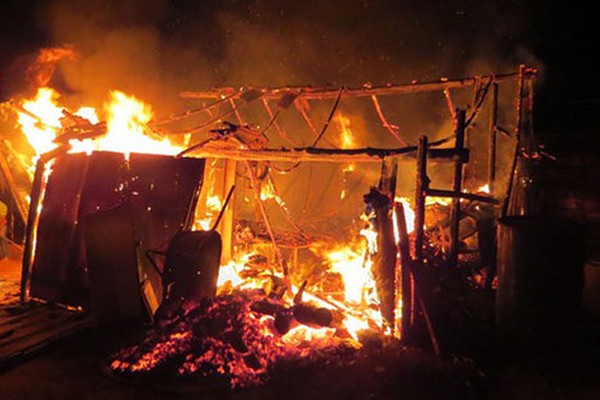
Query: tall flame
<point x="409" y="214"/>
<point x="41" y="131"/>
<point x="126" y="119"/>
<point x="347" y="141"/>
<point x="346" y="135"/>
<point x="42" y="120"/>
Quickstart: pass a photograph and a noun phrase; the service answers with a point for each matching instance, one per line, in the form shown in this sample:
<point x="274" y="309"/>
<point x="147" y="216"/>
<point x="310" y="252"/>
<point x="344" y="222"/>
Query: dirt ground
<point x="75" y="369"/>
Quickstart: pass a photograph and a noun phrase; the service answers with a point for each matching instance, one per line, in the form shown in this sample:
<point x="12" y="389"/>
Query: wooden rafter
<point x="314" y="93"/>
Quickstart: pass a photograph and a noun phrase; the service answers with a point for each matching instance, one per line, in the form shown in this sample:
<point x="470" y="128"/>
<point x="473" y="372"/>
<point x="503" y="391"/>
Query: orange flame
<point x="409" y="213"/>
<point x="127" y="118"/>
<point x="42" y="121"/>
<point x="347" y="142"/>
<point x="346" y="135"/>
<point x="41" y="132"/>
<point x="126" y="131"/>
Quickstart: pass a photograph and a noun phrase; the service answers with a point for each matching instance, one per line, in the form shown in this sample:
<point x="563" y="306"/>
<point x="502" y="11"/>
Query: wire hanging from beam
<point x="385" y="123"/>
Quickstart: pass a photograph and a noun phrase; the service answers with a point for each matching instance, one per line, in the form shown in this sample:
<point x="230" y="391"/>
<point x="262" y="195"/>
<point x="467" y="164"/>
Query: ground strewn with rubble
<point x="555" y="369"/>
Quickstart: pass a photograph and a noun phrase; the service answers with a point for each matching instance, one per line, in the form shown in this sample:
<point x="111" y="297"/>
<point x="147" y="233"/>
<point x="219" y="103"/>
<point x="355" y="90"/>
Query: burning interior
<point x="263" y="224"/>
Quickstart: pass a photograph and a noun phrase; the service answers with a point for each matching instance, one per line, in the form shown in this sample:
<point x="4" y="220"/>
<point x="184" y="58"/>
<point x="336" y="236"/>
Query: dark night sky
<point x="317" y="42"/>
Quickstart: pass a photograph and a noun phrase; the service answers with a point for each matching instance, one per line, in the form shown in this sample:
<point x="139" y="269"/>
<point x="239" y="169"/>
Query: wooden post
<point x="385" y="261"/>
<point x="37" y="190"/>
<point x="428" y="323"/>
<point x="517" y="148"/>
<point x="229" y="175"/>
<point x="389" y="176"/>
<point x="422" y="185"/>
<point x="492" y="140"/>
<point x="406" y="284"/>
<point x="412" y="292"/>
<point x="384" y="267"/>
<point x="459" y="131"/>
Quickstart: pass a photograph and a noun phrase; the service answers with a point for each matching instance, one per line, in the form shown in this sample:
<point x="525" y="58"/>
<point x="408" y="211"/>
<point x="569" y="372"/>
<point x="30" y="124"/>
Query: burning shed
<point x="316" y="250"/>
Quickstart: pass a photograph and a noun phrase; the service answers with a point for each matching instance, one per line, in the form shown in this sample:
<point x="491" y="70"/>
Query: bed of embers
<point x="237" y="337"/>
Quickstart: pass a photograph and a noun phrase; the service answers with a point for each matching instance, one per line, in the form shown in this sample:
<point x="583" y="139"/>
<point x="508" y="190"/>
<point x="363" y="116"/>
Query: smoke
<point x="156" y="48"/>
<point x="118" y="46"/>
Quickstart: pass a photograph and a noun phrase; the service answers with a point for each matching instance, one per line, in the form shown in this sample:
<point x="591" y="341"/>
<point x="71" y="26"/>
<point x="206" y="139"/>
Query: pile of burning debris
<point x="257" y="319"/>
<point x="239" y="337"/>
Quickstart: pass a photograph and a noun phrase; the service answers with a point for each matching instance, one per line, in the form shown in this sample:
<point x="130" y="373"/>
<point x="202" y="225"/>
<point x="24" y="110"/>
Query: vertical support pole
<point x="388" y="176"/>
<point x="406" y="284"/>
<point x="492" y="140"/>
<point x="37" y="190"/>
<point x="459" y="132"/>
<point x="527" y="119"/>
<point x="422" y="186"/>
<point x="385" y="261"/>
<point x="517" y="148"/>
<point x="229" y="175"/>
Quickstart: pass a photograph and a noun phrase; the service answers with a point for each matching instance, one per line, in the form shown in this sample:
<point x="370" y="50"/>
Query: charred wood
<point x="311" y="154"/>
<point x="309" y="315"/>
<point x="459" y="129"/>
<point x="461" y="195"/>
<point x="267" y="307"/>
<point x="422" y="185"/>
<point x="308" y="92"/>
<point x="384" y="268"/>
<point x="283" y="321"/>
<point x="406" y="284"/>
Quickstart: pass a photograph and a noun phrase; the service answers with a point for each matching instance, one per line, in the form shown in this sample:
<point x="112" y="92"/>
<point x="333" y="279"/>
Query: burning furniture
<point x="298" y="274"/>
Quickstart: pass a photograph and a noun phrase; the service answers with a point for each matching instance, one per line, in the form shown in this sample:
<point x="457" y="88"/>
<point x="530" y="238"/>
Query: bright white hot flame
<point x="212" y="207"/>
<point x="484" y="189"/>
<point x="127" y="118"/>
<point x="409" y="214"/>
<point x="88" y="113"/>
<point x="349" y="264"/>
<point x="40" y="133"/>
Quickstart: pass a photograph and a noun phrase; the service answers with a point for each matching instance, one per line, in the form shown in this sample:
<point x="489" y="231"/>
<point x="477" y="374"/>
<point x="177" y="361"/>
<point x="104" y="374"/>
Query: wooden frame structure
<point x="423" y="153"/>
<point x="237" y="98"/>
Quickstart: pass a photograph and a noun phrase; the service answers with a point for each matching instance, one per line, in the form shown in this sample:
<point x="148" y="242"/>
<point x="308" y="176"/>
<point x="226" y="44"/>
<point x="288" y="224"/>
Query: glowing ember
<point x="223" y="337"/>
